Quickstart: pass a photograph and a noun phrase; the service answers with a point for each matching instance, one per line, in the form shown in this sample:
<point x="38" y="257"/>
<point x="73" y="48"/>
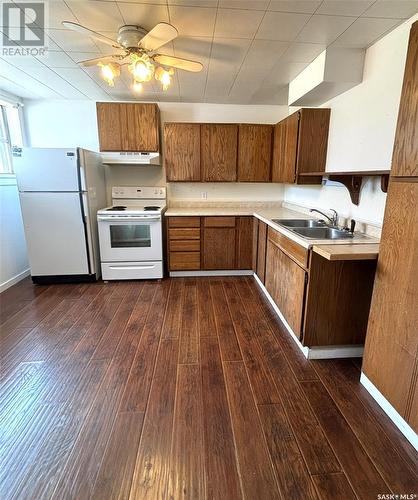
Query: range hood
<point x="131" y="158"/>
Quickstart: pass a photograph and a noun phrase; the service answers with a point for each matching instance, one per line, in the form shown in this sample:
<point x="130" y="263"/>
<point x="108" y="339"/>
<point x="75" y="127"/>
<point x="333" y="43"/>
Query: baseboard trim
<point x="318" y="352"/>
<point x="12" y="281"/>
<point x="390" y="411"/>
<point x="232" y="272"/>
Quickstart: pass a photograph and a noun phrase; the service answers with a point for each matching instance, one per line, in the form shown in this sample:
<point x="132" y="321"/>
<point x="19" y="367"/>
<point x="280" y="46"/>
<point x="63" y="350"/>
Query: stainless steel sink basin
<point x="323" y="233"/>
<point x="299" y="223"/>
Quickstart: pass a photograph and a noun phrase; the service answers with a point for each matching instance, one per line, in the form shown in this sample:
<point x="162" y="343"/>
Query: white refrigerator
<point x="60" y="191"/>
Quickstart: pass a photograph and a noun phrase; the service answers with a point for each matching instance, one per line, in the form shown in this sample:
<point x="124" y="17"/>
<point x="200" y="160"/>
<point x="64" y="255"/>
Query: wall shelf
<point x="353" y="180"/>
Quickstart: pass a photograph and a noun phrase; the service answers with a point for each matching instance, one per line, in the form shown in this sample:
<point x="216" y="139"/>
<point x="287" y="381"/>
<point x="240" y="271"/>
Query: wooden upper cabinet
<point x="254" y="152"/>
<point x="182" y="151"/>
<point x="219" y="152"/>
<point x="405" y="151"/>
<point x="128" y="126"/>
<point x="109" y="125"/>
<point x="284" y="150"/>
<point x="300" y="146"/>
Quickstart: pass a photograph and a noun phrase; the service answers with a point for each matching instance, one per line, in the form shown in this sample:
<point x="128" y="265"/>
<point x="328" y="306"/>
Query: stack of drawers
<point x="184" y="243"/>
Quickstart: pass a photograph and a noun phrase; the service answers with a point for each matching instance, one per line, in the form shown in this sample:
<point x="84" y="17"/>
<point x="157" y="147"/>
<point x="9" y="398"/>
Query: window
<point x="10" y="136"/>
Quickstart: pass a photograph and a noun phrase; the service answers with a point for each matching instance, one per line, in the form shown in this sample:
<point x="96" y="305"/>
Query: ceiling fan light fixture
<point x="164" y="76"/>
<point x="141" y="68"/>
<point x="109" y="72"/>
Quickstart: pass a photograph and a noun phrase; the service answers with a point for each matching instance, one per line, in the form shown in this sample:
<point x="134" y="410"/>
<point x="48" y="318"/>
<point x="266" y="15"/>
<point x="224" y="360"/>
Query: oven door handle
<point x="128" y="219"/>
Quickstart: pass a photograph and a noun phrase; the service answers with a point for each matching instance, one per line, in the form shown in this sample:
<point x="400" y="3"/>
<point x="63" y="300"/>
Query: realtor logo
<point x="23" y="31"/>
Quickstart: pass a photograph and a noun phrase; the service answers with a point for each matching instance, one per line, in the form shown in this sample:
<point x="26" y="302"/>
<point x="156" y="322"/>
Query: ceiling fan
<point x="138" y="46"/>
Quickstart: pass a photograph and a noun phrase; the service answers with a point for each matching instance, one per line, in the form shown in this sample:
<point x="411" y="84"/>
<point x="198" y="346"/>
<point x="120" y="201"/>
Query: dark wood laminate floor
<point x="185" y="388"/>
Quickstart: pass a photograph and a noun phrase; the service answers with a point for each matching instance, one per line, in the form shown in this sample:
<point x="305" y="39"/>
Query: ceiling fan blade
<point x="160" y="34"/>
<point x="178" y="62"/>
<point x="104" y="60"/>
<point x="93" y="34"/>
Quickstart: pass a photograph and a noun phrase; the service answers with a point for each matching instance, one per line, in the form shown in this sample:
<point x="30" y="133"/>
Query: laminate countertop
<point x="268" y="213"/>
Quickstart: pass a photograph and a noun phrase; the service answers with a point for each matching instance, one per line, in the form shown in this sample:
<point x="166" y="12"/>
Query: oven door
<point x="130" y="238"/>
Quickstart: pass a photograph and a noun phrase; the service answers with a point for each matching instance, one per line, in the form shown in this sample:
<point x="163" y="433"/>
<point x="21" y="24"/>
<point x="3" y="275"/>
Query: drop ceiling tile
<point x="284" y="72"/>
<point x="82" y="81"/>
<point x="82" y="56"/>
<point x="303" y="52"/>
<point x="324" y="29"/>
<point x="194" y="3"/>
<point x="344" y="7"/>
<point x="28" y="81"/>
<point x="71" y="41"/>
<point x="226" y="59"/>
<point x="396" y="9"/>
<point x="301" y="6"/>
<point x="145" y="15"/>
<point x="281" y="26"/>
<point x="97" y="15"/>
<point x="16" y="89"/>
<point x="365" y="31"/>
<point x="57" y="59"/>
<point x="235" y="23"/>
<point x="244" y="4"/>
<point x="69" y="89"/>
<point x="192" y="21"/>
<point x="271" y="94"/>
<point x="58" y="11"/>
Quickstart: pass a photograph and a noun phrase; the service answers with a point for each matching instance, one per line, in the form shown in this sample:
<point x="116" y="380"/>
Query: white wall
<point x="362" y="131"/>
<point x="73" y="123"/>
<point x="13" y="257"/>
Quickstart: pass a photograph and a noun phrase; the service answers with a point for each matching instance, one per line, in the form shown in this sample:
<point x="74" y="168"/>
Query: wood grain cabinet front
<point x="128" y="126"/>
<point x="300" y="146"/>
<point x="182" y="151"/>
<point x="219" y="144"/>
<point x="254" y="152"/>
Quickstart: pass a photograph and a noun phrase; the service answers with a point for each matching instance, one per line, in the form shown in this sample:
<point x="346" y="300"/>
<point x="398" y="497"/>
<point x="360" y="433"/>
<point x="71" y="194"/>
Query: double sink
<point x="315" y="229"/>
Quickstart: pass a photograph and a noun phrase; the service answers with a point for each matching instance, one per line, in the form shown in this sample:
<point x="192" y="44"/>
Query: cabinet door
<point x="285" y="282"/>
<point x="405" y="151"/>
<point x="140" y="124"/>
<point x="392" y="334"/>
<point x="261" y="251"/>
<point x="285" y="150"/>
<point x="219" y="248"/>
<point x="219" y="152"/>
<point x="255" y="244"/>
<point x="182" y="151"/>
<point x="109" y="126"/>
<point x="254" y="153"/>
<point x="245" y="243"/>
<point x="312" y="143"/>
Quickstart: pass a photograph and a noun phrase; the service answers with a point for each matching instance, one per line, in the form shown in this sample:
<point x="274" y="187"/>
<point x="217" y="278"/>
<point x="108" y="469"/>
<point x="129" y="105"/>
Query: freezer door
<point x="55" y="233"/>
<point x="47" y="169"/>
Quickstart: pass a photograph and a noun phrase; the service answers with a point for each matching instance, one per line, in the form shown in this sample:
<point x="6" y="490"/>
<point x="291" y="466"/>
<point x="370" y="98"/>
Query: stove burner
<point x="151" y="208"/>
<point x="117" y="207"/>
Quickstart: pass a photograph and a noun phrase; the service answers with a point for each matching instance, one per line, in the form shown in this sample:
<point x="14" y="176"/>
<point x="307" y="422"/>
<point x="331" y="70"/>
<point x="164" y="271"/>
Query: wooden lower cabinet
<point x="261" y="250"/>
<point x="324" y="302"/>
<point x="210" y="243"/>
<point x="218" y="248"/>
<point x="286" y="282"/>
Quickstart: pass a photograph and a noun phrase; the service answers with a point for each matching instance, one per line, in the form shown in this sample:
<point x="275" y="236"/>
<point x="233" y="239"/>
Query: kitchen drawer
<point x="219" y="222"/>
<point x="132" y="270"/>
<point x="181" y="261"/>
<point x="185" y="246"/>
<point x="183" y="221"/>
<point x="184" y="234"/>
<point x="295" y="251"/>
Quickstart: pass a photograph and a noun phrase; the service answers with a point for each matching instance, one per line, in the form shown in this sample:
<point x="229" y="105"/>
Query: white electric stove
<point x="130" y="233"/>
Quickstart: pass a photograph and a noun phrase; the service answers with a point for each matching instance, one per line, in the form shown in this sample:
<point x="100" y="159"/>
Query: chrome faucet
<point x="333" y="220"/>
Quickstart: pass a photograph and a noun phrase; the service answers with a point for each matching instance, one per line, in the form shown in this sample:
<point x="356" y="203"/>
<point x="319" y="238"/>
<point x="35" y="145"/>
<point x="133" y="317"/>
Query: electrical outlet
<point x="204" y="195"/>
